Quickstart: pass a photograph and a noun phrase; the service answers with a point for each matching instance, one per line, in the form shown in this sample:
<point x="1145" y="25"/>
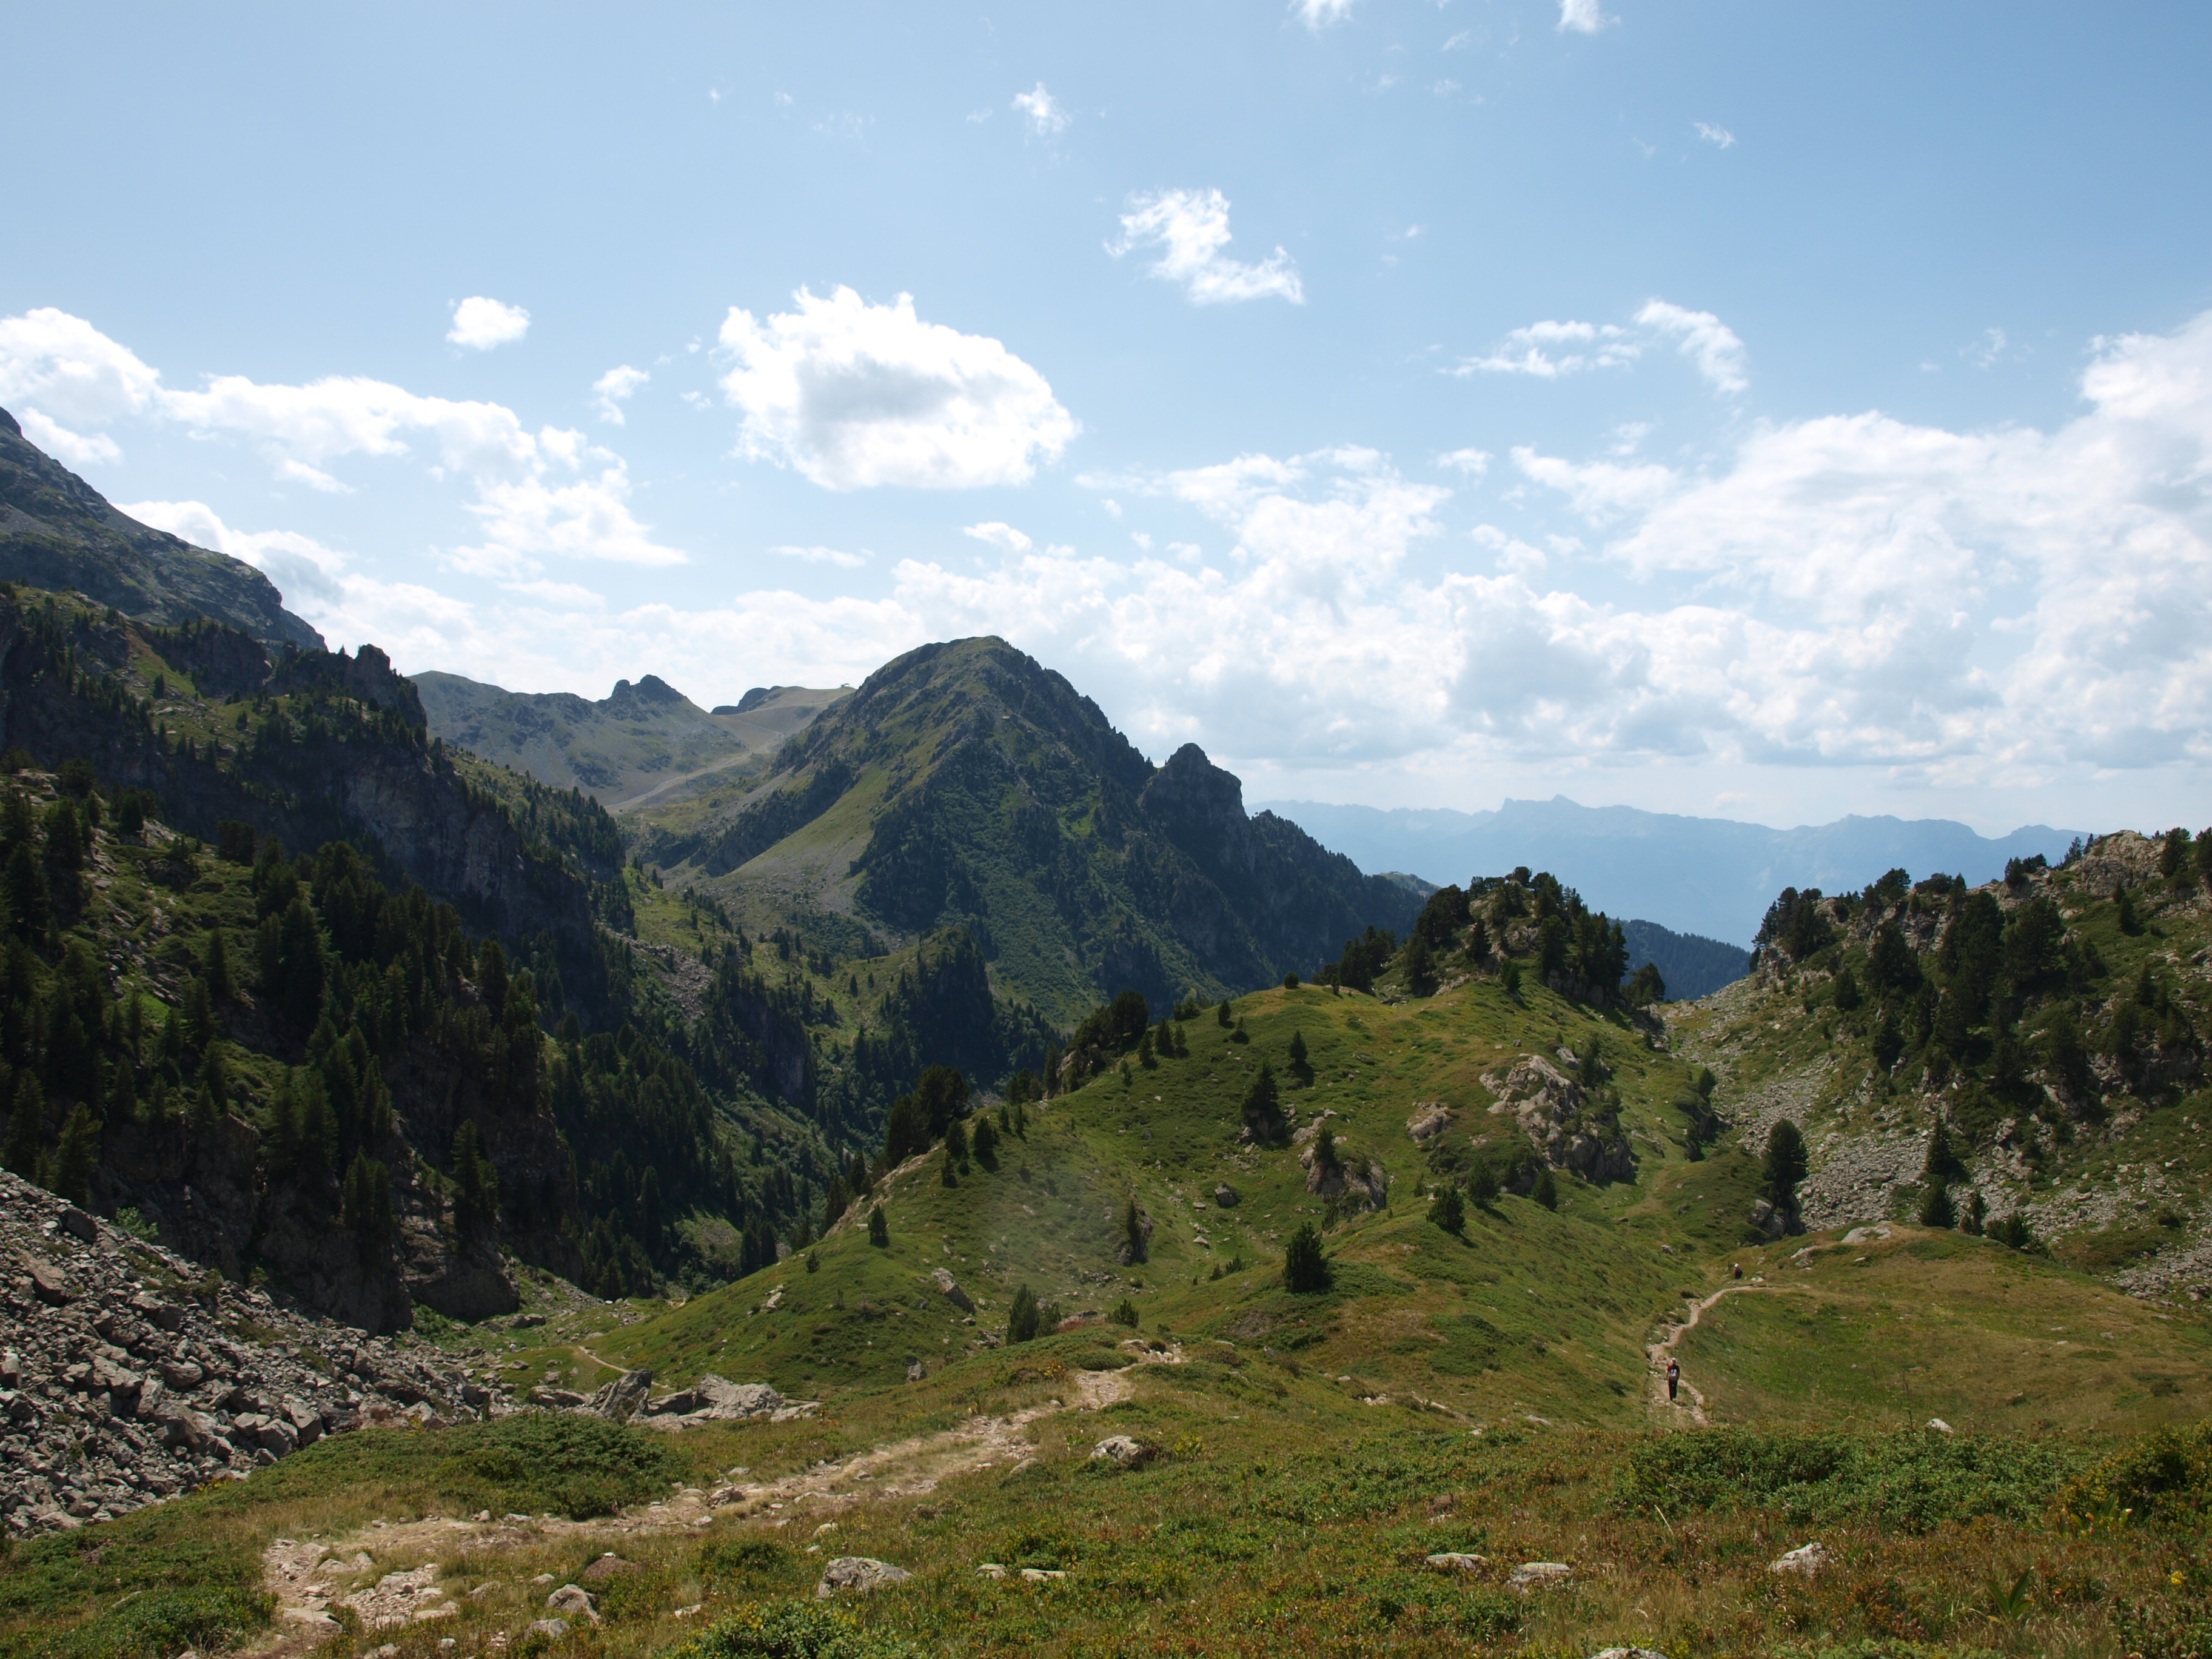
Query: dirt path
<point x="1660" y="1352"/>
<point x="360" y="1571"/>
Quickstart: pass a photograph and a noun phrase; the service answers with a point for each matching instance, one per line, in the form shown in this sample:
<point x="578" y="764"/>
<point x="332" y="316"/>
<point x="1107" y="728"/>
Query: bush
<point x="164" y="1622"/>
<point x="1913" y="1479"/>
<point x="572" y="1465"/>
<point x="790" y="1630"/>
<point x="2164" y="1477"/>
<point x="1305" y="1269"/>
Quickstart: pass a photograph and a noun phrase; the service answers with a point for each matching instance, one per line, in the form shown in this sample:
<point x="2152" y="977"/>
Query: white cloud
<point x="1318" y="14"/>
<point x="1713" y="135"/>
<point x="1991" y="349"/>
<point x="1600" y="490"/>
<point x="613" y="389"/>
<point x="1472" y="462"/>
<point x="480" y="324"/>
<point x="1002" y="536"/>
<point x="843" y="560"/>
<point x="853" y="395"/>
<point x="1191" y="227"/>
<point x="1703" y="338"/>
<point x="74" y="449"/>
<point x="1550" y="349"/>
<point x="1460" y="42"/>
<point x="546" y="492"/>
<point x="1583" y="17"/>
<point x="1046" y="118"/>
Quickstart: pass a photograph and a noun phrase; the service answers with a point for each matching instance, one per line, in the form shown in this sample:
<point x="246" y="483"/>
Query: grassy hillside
<point x="964" y="785"/>
<point x="1305" y="1453"/>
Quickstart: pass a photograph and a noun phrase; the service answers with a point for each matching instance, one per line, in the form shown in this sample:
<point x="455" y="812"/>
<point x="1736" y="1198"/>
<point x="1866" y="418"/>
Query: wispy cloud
<point x="1047" y="117"/>
<point x="1191" y="228"/>
<point x="613" y="389"/>
<point x="1550" y="350"/>
<point x="1712" y="134"/>
<point x="1318" y="14"/>
<point x="843" y="560"/>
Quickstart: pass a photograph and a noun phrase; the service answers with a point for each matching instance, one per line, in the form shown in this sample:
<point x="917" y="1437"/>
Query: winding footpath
<point x="1693" y="1408"/>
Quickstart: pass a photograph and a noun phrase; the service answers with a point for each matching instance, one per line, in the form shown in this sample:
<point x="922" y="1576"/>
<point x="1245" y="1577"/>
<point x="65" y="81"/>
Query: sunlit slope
<point x="1532" y="1311"/>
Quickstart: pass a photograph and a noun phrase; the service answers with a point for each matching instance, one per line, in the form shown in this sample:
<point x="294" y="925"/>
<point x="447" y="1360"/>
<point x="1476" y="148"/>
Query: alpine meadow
<point x="1340" y="828"/>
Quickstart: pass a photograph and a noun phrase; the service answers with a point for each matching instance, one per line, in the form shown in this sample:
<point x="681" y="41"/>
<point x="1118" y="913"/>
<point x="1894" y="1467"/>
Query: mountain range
<point x="1713" y="876"/>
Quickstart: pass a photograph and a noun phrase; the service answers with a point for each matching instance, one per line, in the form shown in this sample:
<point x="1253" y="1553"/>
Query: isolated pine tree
<point x="1022" y="1318"/>
<point x="879" y="1231"/>
<point x="1937" y="1210"/>
<point x="1449" y="1211"/>
<point x="1483" y="1187"/>
<point x="1304" y="1268"/>
<point x="1547" y="1189"/>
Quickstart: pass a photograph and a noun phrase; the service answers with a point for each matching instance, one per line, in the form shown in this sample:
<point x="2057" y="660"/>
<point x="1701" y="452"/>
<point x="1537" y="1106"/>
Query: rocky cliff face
<point x="58" y="532"/>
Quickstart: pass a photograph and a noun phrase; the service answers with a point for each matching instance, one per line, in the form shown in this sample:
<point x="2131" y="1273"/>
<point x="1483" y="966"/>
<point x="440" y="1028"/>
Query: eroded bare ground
<point x="356" y="1571"/>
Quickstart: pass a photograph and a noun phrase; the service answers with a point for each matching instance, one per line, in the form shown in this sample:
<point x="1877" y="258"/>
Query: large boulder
<point x="858" y="1572"/>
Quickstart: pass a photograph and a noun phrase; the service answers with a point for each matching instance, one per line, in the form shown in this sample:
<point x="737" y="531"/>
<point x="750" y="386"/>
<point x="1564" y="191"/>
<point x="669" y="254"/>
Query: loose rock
<point x="1529" y="1574"/>
<point x="1806" y="1560"/>
<point x="1129" y="1453"/>
<point x="1457" y="1561"/>
<point x="858" y="1572"/>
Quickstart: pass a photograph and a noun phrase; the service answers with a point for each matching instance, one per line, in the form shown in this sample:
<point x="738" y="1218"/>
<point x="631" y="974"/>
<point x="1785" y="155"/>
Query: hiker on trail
<point x="1674" y="1378"/>
<point x="1735" y="1270"/>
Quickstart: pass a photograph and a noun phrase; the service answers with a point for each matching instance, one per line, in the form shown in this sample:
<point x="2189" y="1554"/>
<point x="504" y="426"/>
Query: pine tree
<point x="1325" y="1153"/>
<point x="879" y="1231"/>
<point x="27" y="1128"/>
<point x="1132" y="1234"/>
<point x="1221" y="1014"/>
<point x="1943" y="1165"/>
<point x="476" y="1181"/>
<point x="1785" y="1166"/>
<point x="984" y="1143"/>
<point x="1305" y="1269"/>
<point x="1483" y="1185"/>
<point x="1298" y="1052"/>
<point x="219" y="982"/>
<point x="1547" y="1189"/>
<point x="1263" y="1108"/>
<point x="1022" y="1318"/>
<point x="956" y="1143"/>
<point x="1936" y="1211"/>
<point x="77" y="1155"/>
<point x="1449" y="1211"/>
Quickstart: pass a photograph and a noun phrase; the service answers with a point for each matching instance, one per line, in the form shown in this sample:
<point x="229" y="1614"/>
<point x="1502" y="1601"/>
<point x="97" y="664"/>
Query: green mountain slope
<point x="59" y="532"/>
<point x="966" y="785"/>
<point x="2053" y="1025"/>
<point x="640" y="743"/>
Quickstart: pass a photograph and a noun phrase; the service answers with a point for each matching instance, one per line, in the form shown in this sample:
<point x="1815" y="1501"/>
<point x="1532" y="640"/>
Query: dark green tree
<point x="1483" y="1187"/>
<point x="1847" y="990"/>
<point x="956" y="1143"/>
<point x="1305" y="1269"/>
<point x="1022" y="1318"/>
<point x="77" y="1155"/>
<point x="476" y="1183"/>
<point x="879" y="1231"/>
<point x="365" y="1201"/>
<point x="1263" y="1106"/>
<point x="27" y="1128"/>
<point x="1132" y="1235"/>
<point x="1786" y="1165"/>
<point x="984" y="1142"/>
<point x="1449" y="1211"/>
<point x="1547" y="1189"/>
<point x="216" y="968"/>
<point x="1937" y="1210"/>
<point x="1943" y="1165"/>
<point x="1221" y="1014"/>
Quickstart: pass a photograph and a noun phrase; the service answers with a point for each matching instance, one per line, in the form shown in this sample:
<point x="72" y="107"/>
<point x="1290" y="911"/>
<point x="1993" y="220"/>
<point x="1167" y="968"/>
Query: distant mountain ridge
<point x="1713" y="876"/>
<point x="57" y="531"/>
<point x="639" y="740"/>
<point x="965" y="784"/>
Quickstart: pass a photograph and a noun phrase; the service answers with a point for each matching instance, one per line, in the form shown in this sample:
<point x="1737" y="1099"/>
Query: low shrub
<point x="790" y="1630"/>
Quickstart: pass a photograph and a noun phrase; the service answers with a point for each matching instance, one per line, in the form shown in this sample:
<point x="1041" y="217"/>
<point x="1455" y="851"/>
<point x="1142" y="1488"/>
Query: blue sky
<point x="1731" y="409"/>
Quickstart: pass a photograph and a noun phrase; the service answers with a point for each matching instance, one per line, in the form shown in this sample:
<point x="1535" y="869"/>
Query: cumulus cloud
<point x="1583" y="17"/>
<point x="1046" y="118"/>
<point x="854" y="395"/>
<point x="613" y="389"/>
<point x="1550" y="350"/>
<point x="480" y="324"/>
<point x="1318" y="14"/>
<point x="537" y="493"/>
<point x="1190" y="228"/>
<point x="77" y="449"/>
<point x="1002" y="536"/>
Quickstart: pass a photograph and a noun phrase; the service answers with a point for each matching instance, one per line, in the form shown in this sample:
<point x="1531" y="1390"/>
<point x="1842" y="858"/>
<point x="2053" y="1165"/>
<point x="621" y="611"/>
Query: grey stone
<point x="1806" y="1560"/>
<point x="1121" y="1449"/>
<point x="858" y="1572"/>
<point x="1529" y="1574"/>
<point x="1458" y="1561"/>
<point x="554" y="1628"/>
<point x="78" y="1225"/>
<point x="619" y="1401"/>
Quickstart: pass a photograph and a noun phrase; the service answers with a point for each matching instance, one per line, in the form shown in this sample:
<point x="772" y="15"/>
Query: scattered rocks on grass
<point x="1121" y="1449"/>
<point x="949" y="1288"/>
<point x="574" y="1602"/>
<point x="858" y="1572"/>
<point x="1457" y="1561"/>
<point x="1806" y="1560"/>
<point x="552" y="1629"/>
<point x="1531" y="1574"/>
